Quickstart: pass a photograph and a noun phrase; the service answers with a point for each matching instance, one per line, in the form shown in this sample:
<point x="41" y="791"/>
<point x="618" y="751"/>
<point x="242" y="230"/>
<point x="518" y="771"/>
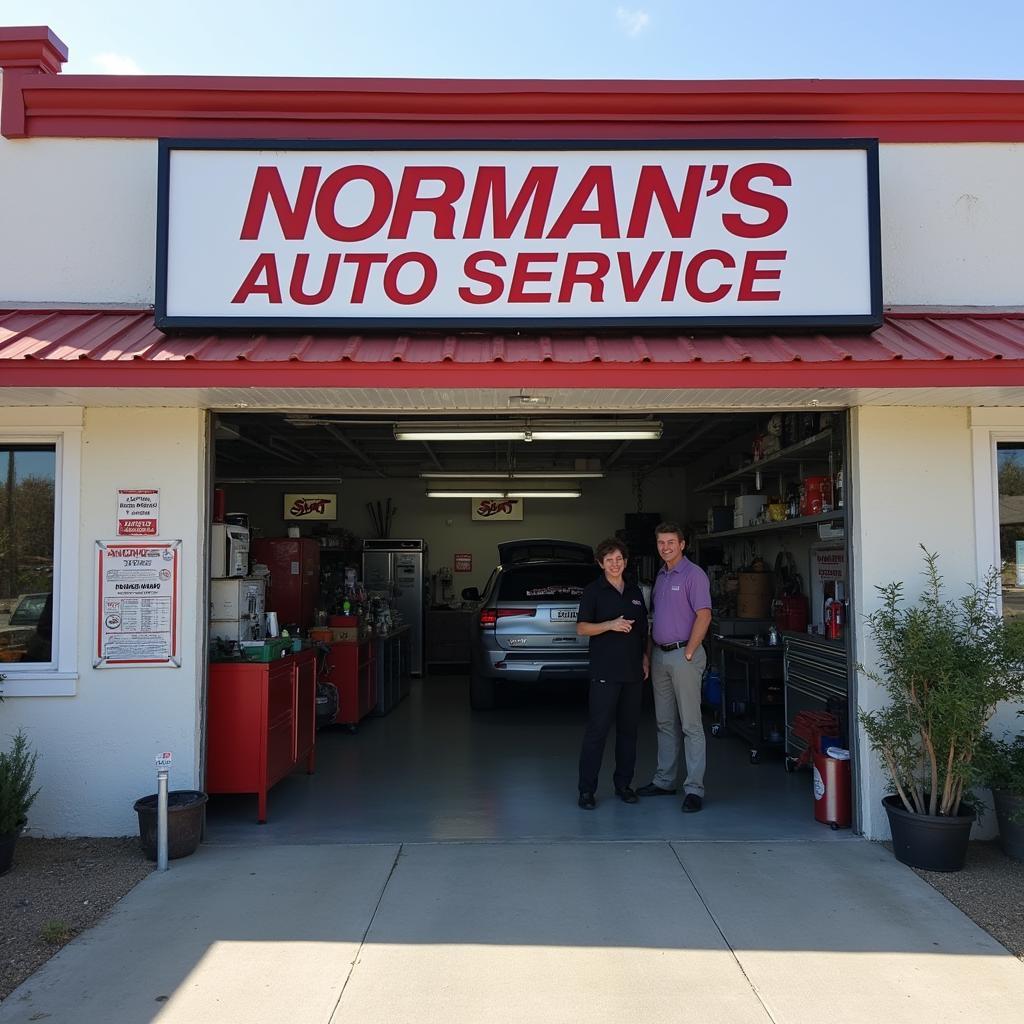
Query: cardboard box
<point x="338" y="634"/>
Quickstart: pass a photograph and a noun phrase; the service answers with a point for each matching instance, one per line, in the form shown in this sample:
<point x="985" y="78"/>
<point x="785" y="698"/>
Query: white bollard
<point x="161" y="820"/>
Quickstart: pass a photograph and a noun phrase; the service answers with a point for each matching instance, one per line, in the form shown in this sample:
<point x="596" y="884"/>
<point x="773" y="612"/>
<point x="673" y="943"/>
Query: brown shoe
<point x="692" y="803"/>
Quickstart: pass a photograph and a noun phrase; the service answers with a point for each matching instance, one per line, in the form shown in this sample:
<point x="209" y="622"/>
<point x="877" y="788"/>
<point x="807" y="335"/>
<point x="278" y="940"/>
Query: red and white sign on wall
<point x="464" y="562"/>
<point x="138" y="512"/>
<point x="406" y="234"/>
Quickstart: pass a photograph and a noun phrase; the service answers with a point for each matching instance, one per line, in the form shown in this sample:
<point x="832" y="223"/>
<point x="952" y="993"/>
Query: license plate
<point x="563" y="614"/>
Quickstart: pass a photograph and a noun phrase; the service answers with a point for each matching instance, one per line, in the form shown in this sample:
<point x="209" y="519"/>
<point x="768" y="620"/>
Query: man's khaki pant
<point x="676" y="684"/>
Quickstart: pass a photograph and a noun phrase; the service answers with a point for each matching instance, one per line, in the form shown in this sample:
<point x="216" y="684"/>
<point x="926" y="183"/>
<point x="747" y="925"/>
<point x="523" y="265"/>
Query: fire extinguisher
<point x="834" y="619"/>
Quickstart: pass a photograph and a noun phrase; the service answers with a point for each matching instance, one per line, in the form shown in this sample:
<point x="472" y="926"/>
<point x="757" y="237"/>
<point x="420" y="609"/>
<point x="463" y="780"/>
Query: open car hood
<point x="514" y="552"/>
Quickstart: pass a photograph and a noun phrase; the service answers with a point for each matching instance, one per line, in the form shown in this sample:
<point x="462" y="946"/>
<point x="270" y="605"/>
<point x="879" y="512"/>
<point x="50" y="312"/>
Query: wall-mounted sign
<point x="401" y="234"/>
<point x="138" y="511"/>
<point x="497" y="509"/>
<point x="138" y="604"/>
<point x="830" y="563"/>
<point x="464" y="562"/>
<point x="311" y="506"/>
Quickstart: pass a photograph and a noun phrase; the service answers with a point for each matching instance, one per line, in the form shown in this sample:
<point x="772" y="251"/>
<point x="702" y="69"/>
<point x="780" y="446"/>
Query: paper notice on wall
<point x="830" y="563"/>
<point x="138" y="512"/>
<point x="138" y="587"/>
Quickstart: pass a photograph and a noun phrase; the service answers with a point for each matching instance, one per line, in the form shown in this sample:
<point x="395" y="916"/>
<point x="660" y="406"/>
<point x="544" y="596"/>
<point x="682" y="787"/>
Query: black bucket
<point x="927" y="841"/>
<point x="184" y="822"/>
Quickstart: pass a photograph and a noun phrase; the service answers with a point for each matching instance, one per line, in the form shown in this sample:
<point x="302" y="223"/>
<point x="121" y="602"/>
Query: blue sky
<point x="538" y="38"/>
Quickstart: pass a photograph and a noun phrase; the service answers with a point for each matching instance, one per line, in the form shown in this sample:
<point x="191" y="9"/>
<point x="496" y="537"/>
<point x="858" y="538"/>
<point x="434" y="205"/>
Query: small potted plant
<point x="999" y="765"/>
<point x="17" y="772"/>
<point x="945" y="666"/>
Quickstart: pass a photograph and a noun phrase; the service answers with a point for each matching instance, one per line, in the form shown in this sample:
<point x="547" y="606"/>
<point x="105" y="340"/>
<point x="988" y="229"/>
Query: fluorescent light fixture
<point x="517" y="474"/>
<point x="531" y="430"/>
<point x="484" y="492"/>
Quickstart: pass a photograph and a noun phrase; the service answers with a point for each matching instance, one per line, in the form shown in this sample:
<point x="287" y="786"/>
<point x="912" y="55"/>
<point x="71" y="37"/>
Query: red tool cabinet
<point x="350" y="667"/>
<point x="261" y="722"/>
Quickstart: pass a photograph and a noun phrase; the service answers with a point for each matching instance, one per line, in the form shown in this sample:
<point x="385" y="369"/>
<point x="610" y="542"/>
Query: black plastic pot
<point x="1010" y="815"/>
<point x="184" y="822"/>
<point x="7" y="844"/>
<point x="926" y="841"/>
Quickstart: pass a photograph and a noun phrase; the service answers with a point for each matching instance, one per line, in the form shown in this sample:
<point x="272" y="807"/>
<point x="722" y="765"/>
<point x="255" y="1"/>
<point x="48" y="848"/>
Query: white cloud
<point x="632" y="21"/>
<point x="116" y="64"/>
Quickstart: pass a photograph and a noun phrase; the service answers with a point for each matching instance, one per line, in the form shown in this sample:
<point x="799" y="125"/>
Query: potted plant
<point x="17" y="771"/>
<point x="1000" y="766"/>
<point x="945" y="666"/>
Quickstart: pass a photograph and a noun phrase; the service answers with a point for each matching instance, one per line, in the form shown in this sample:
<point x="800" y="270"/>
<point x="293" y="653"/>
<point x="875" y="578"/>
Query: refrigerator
<point x="399" y="568"/>
<point x="294" y="586"/>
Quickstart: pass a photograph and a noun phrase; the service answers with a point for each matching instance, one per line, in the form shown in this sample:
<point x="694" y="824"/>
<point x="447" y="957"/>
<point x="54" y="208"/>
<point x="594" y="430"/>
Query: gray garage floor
<point x="434" y="771"/>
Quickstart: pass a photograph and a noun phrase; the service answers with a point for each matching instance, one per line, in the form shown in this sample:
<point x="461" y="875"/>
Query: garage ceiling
<point x="314" y="445"/>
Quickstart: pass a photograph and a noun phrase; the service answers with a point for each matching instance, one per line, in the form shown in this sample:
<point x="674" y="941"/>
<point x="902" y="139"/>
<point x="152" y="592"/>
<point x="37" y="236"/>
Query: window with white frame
<point x="40" y="481"/>
<point x="1010" y="486"/>
<point x="28" y="486"/>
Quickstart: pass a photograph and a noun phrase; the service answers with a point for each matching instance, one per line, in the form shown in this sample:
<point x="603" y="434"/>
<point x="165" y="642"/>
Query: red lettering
<point x="752" y="273"/>
<point x="652" y="184"/>
<point x="490" y="190"/>
<point x="775" y="208"/>
<point x="523" y="275"/>
<point x="326" y="203"/>
<point x="395" y="267"/>
<point x="474" y="272"/>
<point x="694" y="268"/>
<point x="295" y="289"/>
<point x="573" y="275"/>
<point x="267" y="185"/>
<point x="675" y="261"/>
<point x="633" y="288"/>
<point x="597" y="182"/>
<point x="442" y="206"/>
<point x="363" y="261"/>
<point x="262" y="279"/>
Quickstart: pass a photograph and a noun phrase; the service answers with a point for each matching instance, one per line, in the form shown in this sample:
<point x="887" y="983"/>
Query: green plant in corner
<point x="17" y="773"/>
<point x="945" y="666"/>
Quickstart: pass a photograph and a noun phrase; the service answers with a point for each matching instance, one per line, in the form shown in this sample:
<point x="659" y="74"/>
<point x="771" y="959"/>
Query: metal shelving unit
<point x="783" y="524"/>
<point x="794" y="455"/>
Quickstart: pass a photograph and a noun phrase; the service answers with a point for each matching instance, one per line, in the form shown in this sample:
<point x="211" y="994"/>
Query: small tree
<point x="17" y="772"/>
<point x="945" y="665"/>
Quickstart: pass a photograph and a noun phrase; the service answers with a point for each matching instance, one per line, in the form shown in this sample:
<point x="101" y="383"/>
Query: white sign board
<point x="138" y="512"/>
<point x="311" y="506"/>
<point x="138" y="604"/>
<point x="399" y="234"/>
<point x="163" y="760"/>
<point x="494" y="510"/>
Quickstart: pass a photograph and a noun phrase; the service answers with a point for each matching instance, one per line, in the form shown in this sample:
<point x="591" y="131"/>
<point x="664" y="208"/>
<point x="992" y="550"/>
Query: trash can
<point x="184" y="822"/>
<point x="831" y="781"/>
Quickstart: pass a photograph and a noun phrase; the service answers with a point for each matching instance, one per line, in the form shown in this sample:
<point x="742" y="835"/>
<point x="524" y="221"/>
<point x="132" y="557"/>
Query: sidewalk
<point x="790" y="933"/>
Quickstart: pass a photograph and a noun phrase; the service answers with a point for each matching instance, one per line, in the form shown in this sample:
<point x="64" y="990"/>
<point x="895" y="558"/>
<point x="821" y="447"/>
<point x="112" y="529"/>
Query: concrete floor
<point x="433" y="771"/>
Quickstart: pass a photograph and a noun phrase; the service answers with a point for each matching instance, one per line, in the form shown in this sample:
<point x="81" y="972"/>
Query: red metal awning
<point x="111" y="348"/>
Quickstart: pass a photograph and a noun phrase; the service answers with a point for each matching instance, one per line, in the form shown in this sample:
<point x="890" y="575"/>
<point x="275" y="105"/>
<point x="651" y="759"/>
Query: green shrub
<point x="17" y="772"/>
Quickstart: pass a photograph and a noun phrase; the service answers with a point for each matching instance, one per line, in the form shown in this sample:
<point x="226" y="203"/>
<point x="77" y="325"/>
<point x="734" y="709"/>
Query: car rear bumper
<point x="534" y="667"/>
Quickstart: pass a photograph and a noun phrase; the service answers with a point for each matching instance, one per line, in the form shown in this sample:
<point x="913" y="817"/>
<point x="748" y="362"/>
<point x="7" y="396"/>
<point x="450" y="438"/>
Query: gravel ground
<point x="989" y="890"/>
<point x="56" y="889"/>
<point x="60" y="887"/>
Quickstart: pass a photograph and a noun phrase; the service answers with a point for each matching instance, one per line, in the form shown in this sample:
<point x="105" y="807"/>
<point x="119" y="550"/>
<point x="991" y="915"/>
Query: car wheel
<point x="482" y="693"/>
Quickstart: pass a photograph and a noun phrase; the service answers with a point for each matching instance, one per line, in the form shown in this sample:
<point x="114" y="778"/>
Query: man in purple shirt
<point x="681" y="608"/>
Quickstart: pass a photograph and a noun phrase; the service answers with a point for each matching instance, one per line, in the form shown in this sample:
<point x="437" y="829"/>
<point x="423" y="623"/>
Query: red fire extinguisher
<point x="834" y="619"/>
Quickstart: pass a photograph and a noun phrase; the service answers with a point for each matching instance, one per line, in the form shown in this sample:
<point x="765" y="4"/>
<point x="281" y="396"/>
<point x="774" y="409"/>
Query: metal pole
<point x="161" y="820"/>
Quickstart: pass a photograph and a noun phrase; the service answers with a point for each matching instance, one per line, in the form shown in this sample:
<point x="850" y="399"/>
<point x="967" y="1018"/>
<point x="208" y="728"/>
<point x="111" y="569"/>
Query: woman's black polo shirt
<point x="615" y="657"/>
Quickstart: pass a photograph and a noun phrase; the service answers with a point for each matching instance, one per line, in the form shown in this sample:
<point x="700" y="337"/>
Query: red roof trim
<point x="106" y="106"/>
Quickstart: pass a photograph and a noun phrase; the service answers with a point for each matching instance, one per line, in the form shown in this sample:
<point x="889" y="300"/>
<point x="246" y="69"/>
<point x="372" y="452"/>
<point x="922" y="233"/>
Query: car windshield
<point x="546" y="582"/>
<point x="29" y="610"/>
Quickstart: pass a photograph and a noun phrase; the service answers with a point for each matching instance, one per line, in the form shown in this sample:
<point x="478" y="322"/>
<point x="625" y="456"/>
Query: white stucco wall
<point x="85" y="221"/>
<point x="96" y="748"/>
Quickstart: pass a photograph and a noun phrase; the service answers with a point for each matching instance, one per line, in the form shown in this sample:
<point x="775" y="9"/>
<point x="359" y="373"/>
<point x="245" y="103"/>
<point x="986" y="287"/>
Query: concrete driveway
<point x="790" y="933"/>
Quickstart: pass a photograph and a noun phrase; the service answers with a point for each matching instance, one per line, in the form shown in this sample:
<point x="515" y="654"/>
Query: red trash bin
<point x="831" y="780"/>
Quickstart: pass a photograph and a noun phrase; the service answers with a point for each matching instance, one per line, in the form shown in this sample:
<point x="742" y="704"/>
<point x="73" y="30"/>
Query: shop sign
<point x="586" y="234"/>
<point x="494" y="510"/>
<point x="830" y="563"/>
<point x="311" y="506"/>
<point x="464" y="562"/>
<point x="138" y="512"/>
<point x="138" y="604"/>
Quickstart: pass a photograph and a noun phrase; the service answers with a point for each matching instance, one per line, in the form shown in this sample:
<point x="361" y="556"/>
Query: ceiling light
<point x="484" y="492"/>
<point x="518" y="474"/>
<point x="531" y="430"/>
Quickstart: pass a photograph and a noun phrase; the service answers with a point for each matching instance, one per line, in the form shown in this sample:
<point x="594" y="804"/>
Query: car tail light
<point x="489" y="616"/>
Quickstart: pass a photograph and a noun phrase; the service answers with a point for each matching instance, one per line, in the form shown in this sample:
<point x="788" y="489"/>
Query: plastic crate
<point x="269" y="650"/>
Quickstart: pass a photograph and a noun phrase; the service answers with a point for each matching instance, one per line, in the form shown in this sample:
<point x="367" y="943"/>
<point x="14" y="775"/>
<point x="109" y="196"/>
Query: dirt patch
<point x="56" y="889"/>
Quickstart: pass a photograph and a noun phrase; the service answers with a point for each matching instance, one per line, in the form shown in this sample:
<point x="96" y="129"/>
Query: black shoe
<point x="627" y="796"/>
<point x="693" y="803"/>
<point x="652" y="790"/>
<point x="587" y="801"/>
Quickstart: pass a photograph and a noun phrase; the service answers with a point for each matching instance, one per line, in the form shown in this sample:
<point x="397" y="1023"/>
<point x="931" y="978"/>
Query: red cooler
<point x="831" y="780"/>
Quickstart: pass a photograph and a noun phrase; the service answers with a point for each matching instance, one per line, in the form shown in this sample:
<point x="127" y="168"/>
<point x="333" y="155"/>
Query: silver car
<point x="525" y="628"/>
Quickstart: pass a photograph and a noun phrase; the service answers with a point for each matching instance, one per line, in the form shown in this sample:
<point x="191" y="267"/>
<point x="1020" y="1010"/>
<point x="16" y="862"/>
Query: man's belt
<point x="673" y="647"/>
